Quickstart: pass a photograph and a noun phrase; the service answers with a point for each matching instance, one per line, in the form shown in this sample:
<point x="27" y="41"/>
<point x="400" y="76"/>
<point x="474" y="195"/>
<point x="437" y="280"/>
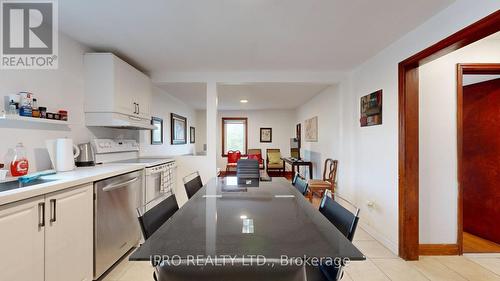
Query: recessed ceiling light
<point x="243" y="101"/>
<point x="243" y="217"/>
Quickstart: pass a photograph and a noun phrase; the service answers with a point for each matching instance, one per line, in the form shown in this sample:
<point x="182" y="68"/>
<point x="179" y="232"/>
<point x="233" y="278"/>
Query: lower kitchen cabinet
<point x="22" y="240"/>
<point x="48" y="238"/>
<point x="69" y="234"/>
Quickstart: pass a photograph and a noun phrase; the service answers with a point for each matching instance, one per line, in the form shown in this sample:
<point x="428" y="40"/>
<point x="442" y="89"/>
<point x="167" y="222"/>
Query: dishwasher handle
<point x="120" y="185"/>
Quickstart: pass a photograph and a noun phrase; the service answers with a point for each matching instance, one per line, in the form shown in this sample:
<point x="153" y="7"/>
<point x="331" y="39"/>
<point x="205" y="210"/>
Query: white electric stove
<point x="160" y="173"/>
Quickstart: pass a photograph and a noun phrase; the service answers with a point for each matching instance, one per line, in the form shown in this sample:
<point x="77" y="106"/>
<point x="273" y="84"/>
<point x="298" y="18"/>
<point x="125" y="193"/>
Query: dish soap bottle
<point x="19" y="165"/>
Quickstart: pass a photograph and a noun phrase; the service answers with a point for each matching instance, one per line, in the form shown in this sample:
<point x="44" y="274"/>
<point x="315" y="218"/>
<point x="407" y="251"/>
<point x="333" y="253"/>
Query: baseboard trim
<point x="438" y="249"/>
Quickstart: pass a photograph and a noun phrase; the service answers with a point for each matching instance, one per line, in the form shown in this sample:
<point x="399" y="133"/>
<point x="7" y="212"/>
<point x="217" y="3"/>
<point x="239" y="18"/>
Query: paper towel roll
<point x="65" y="156"/>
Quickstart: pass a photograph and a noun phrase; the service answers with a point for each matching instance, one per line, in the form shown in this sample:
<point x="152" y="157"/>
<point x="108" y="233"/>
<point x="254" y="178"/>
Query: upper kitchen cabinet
<point x="116" y="94"/>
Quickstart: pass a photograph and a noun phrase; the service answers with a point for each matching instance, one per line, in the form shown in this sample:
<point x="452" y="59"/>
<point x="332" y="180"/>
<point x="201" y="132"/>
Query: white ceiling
<point x="243" y="35"/>
<point x="260" y="96"/>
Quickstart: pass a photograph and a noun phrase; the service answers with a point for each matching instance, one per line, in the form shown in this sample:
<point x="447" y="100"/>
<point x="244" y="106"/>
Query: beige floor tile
<point x="346" y="277"/>
<point x="365" y="271"/>
<point x="468" y="269"/>
<point x="493" y="264"/>
<point x="398" y="269"/>
<point x="436" y="271"/>
<point x="361" y="235"/>
<point x="118" y="270"/>
<point x="373" y="249"/>
<point x="138" y="271"/>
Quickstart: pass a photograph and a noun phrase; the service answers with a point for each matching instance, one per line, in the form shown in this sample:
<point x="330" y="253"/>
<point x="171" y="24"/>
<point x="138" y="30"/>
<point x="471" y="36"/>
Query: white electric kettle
<point x="62" y="153"/>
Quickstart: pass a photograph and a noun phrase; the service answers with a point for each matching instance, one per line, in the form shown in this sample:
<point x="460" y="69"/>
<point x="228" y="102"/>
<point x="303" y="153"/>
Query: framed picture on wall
<point x="371" y="109"/>
<point x="266" y="135"/>
<point x="157" y="132"/>
<point x="311" y="129"/>
<point x="192" y="135"/>
<point x="178" y="130"/>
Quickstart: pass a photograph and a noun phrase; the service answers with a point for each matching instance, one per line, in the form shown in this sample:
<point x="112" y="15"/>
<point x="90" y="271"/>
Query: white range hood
<point x="117" y="120"/>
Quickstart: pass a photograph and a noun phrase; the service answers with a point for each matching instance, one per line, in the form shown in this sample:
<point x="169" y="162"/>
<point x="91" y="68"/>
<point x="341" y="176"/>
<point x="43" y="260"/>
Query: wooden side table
<point x="297" y="163"/>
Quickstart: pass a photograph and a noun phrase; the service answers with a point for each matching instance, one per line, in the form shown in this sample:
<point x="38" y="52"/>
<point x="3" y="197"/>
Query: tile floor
<point x="381" y="264"/>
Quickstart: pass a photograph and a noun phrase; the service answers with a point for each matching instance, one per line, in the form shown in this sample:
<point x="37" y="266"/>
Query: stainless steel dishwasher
<point x="116" y="228"/>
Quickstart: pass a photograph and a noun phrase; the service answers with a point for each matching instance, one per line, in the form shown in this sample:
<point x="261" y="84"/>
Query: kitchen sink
<point x="4" y="186"/>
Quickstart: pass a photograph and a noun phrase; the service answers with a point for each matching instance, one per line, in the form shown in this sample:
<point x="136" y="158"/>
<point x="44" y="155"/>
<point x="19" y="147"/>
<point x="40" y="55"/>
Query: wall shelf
<point x="16" y="118"/>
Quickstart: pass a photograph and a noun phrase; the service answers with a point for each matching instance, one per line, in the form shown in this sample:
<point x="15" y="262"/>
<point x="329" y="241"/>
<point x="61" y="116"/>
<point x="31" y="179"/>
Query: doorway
<point x="478" y="96"/>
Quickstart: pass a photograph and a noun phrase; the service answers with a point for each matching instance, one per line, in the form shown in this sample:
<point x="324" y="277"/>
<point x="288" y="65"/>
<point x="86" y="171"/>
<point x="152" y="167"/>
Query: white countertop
<point x="65" y="180"/>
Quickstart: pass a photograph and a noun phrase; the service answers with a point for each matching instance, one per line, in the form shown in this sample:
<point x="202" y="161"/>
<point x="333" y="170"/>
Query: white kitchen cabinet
<point x="69" y="235"/>
<point x="112" y="85"/>
<point x="22" y="240"/>
<point x="48" y="238"/>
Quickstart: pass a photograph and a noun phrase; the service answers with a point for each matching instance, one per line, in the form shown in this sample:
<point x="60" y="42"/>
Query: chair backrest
<point x="248" y="169"/>
<point x="271" y="150"/>
<point x="233" y="156"/>
<point x="192" y="183"/>
<point x="300" y="184"/>
<point x="330" y="170"/>
<point x="255" y="153"/>
<point x="345" y="221"/>
<point x="155" y="217"/>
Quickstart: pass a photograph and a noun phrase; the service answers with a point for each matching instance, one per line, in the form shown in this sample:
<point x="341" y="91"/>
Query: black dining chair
<point x="300" y="184"/>
<point x="192" y="183"/>
<point x="345" y="221"/>
<point x="248" y="169"/>
<point x="150" y="219"/>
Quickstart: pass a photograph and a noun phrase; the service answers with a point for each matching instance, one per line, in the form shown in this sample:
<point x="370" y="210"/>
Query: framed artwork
<point x="192" y="135"/>
<point x="157" y="132"/>
<point x="311" y="129"/>
<point x="266" y="135"/>
<point x="371" y="109"/>
<point x="178" y="129"/>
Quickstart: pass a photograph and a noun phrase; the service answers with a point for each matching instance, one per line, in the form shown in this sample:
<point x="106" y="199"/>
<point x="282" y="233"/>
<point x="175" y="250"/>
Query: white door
<point x="22" y="240"/>
<point x="69" y="235"/>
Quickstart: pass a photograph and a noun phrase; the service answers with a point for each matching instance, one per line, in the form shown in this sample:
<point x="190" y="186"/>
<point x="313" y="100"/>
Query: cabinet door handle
<point x="135" y="108"/>
<point x="52" y="210"/>
<point x="41" y="214"/>
<point x="138" y="109"/>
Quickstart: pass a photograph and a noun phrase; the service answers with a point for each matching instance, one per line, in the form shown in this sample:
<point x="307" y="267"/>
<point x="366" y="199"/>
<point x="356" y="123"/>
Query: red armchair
<point x="232" y="159"/>
<point x="256" y="154"/>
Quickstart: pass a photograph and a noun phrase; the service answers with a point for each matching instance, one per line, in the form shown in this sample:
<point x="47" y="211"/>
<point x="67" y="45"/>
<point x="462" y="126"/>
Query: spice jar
<point x="63" y="114"/>
<point x="57" y="116"/>
<point x="43" y="112"/>
<point x="50" y="115"/>
<point x="35" y="112"/>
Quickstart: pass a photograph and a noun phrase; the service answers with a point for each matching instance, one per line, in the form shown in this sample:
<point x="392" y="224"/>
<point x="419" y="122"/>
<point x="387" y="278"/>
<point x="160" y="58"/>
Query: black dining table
<point x="231" y="217"/>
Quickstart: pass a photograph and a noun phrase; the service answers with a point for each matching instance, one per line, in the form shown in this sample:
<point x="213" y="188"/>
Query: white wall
<point x="368" y="157"/>
<point x="162" y="105"/>
<point x="281" y="121"/>
<point x="201" y="129"/>
<point x="438" y="139"/>
<point x="326" y="106"/>
<point x="62" y="88"/>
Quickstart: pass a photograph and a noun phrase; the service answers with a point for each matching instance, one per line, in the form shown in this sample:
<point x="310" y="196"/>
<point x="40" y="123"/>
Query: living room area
<point x="286" y="126"/>
<point x="261" y="121"/>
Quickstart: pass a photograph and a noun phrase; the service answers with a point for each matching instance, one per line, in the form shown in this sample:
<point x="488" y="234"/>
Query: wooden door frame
<point x="465" y="68"/>
<point x="408" y="126"/>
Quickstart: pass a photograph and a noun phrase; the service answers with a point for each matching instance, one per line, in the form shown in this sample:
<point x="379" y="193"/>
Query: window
<point x="234" y="135"/>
